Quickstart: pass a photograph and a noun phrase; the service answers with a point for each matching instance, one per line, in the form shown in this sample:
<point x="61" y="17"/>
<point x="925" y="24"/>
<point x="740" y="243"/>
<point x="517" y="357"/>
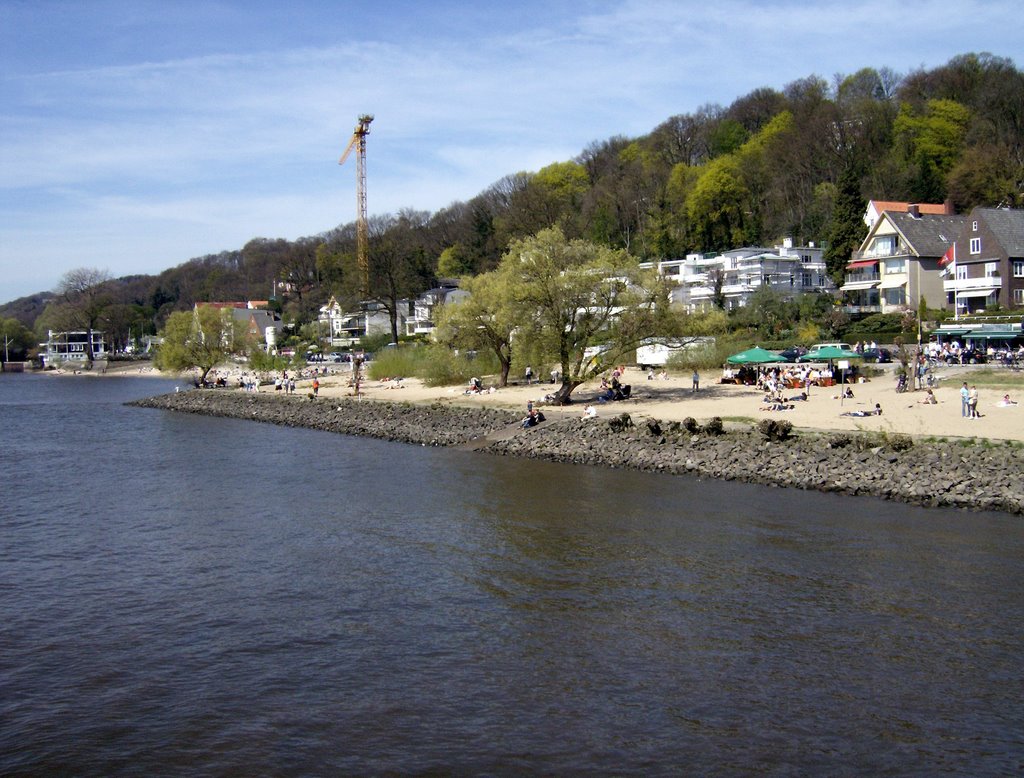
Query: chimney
<point x="950" y="210"/>
<point x="914" y="210"/>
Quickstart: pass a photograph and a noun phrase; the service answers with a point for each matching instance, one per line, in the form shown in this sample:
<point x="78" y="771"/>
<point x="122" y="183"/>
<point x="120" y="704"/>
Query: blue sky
<point x="135" y="135"/>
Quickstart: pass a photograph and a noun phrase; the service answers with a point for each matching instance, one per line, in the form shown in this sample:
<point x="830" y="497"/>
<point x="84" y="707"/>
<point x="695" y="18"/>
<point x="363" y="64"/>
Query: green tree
<point x="847" y="229"/>
<point x="717" y="206"/>
<point x="16" y="340"/>
<point x="454" y="262"/>
<point x="933" y="142"/>
<point x="199" y="340"/>
<point x="573" y="295"/>
<point x="486" y="320"/>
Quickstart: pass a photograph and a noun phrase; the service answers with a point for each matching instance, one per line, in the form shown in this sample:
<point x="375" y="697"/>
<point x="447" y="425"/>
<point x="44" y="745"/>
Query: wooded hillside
<point x="798" y="162"/>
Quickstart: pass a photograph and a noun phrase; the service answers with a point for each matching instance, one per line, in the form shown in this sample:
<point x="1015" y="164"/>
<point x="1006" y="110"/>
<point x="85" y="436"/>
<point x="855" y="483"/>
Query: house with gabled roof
<point x="898" y="262"/>
<point x="426" y="304"/>
<point x="260" y="325"/>
<point x="986" y="265"/>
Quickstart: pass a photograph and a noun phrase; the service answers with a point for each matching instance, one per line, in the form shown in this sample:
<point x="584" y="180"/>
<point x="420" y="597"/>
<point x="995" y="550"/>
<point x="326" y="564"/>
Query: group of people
<point x="969" y="402"/>
<point x="614" y="389"/>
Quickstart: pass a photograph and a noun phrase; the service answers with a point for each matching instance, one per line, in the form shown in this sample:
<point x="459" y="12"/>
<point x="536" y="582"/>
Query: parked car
<point x="793" y="353"/>
<point x="880" y="355"/>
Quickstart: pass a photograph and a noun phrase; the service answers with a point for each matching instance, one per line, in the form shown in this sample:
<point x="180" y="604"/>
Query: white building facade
<point x="735" y="276"/>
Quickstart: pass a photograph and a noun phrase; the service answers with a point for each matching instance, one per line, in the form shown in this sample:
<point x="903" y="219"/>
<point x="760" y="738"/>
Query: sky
<point x="138" y="134"/>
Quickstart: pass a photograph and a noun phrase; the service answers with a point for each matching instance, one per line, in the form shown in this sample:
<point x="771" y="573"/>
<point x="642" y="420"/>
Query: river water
<point x="191" y="595"/>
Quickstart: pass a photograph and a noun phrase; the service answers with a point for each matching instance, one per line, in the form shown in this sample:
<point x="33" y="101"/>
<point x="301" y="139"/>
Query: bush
<point x="397" y="362"/>
<point x="714" y="426"/>
<point x="775" y="430"/>
<point x="900" y="442"/>
<point x="690" y="425"/>
<point x="842" y="440"/>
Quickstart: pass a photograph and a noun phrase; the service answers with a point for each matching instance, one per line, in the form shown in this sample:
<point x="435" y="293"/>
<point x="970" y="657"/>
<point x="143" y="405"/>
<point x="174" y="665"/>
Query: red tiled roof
<point x="939" y="209"/>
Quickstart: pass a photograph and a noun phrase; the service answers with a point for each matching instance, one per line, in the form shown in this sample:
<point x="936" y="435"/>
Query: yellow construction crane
<point x="362" y="229"/>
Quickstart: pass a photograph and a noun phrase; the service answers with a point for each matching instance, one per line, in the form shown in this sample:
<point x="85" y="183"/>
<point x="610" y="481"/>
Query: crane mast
<point x="358" y="142"/>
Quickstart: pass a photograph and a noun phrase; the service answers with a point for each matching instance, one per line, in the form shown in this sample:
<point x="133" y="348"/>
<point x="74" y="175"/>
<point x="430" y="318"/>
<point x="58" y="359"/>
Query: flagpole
<point x="956" y="289"/>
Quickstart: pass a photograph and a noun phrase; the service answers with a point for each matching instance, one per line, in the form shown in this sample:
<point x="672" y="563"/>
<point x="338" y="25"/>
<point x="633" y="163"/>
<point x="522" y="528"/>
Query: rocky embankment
<point x="962" y="474"/>
<point x="430" y="425"/>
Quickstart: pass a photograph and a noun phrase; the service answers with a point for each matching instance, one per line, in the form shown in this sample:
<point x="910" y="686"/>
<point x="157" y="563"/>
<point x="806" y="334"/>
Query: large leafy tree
<point x="486" y="320"/>
<point x="199" y="340"/>
<point x="573" y="295"/>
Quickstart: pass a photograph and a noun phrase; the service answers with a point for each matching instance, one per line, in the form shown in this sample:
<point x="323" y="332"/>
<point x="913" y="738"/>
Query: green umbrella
<point x="829" y="353"/>
<point x="754" y="356"/>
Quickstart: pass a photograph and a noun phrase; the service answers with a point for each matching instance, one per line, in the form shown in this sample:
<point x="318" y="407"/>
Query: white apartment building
<point x="787" y="269"/>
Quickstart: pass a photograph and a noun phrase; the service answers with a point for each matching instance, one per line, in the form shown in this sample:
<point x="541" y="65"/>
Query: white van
<point x="820" y="346"/>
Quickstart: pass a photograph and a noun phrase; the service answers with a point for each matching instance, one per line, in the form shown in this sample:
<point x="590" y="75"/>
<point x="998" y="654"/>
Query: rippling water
<point x="194" y="595"/>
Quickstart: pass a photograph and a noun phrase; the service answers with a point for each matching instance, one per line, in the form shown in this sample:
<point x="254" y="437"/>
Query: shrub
<point x="620" y="423"/>
<point x="391" y="362"/>
<point x="775" y="430"/>
<point x="842" y="440"/>
<point x="690" y="425"/>
<point x="900" y="442"/>
<point x="714" y="426"/>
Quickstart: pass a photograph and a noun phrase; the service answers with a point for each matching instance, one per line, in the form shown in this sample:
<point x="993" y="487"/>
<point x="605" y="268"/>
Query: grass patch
<point x="993" y="378"/>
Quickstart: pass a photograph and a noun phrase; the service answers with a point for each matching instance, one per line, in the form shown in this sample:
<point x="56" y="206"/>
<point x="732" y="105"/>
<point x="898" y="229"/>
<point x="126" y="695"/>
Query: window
<point x="1018" y="296"/>
<point x="897" y="296"/>
<point x="974" y="226"/>
<point x="975" y="245"/>
<point x="961" y="272"/>
<point x="1018" y="268"/>
<point x="991" y="269"/>
<point x="896" y="266"/>
<point x="808" y="280"/>
<point x="884" y="245"/>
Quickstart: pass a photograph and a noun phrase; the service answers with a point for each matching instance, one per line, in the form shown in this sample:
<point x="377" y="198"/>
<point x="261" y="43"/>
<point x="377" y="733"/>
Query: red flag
<point x="949" y="256"/>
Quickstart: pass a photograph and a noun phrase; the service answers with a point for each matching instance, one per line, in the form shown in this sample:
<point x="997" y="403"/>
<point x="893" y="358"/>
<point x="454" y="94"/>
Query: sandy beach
<point x="672" y="399"/>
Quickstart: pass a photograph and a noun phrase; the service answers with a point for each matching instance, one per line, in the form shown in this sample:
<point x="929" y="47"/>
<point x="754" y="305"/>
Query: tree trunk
<point x="393" y="316"/>
<point x="563" y="395"/>
<point x="506" y="366"/>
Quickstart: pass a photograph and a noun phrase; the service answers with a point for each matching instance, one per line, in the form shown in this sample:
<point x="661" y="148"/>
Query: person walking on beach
<point x="972" y="403"/>
<point x="529" y="375"/>
<point x="965" y="396"/>
<point x="696" y="381"/>
<point x="316" y="387"/>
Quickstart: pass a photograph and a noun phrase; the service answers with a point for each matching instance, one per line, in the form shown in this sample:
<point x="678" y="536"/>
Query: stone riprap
<point x="430" y="425"/>
<point x="961" y="474"/>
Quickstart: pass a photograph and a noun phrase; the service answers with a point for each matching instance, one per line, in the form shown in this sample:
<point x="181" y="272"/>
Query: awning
<point x="893" y="283"/>
<point x="953" y="331"/>
<point x="995" y="334"/>
<point x="854" y="286"/>
<point x="863" y="263"/>
<point x="976" y="293"/>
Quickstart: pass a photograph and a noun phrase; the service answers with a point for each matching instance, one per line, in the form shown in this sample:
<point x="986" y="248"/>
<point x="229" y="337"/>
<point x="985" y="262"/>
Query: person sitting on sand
<point x="590" y="412"/>
<point x="929" y="398"/>
<point x="1006" y="402"/>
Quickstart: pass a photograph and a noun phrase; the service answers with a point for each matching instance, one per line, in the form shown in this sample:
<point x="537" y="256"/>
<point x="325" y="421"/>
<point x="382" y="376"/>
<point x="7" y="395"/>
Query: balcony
<point x="872" y="254"/>
<point x="991" y="283"/>
<point x="862" y="310"/>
